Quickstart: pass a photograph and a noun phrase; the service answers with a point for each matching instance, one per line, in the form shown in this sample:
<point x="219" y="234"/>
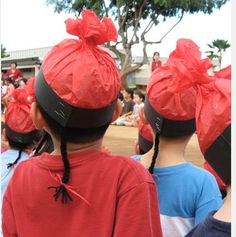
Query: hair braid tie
<point x="61" y="190"/>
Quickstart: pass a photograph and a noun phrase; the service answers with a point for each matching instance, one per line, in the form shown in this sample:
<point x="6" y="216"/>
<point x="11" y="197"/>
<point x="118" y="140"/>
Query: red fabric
<point x="155" y="65"/>
<point x="30" y="89"/>
<point x="145" y="131"/>
<point x="81" y="73"/>
<point x="187" y="66"/>
<point x="220" y="183"/>
<point x="213" y="111"/>
<point x="213" y="107"/>
<point x="14" y="75"/>
<point x="175" y="106"/>
<point x="224" y="73"/>
<point x="17" y="115"/>
<point x="121" y="192"/>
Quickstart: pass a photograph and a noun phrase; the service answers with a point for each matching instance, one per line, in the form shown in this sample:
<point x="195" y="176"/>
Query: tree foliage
<point x="3" y="52"/>
<point x="135" y="19"/>
<point x="217" y="47"/>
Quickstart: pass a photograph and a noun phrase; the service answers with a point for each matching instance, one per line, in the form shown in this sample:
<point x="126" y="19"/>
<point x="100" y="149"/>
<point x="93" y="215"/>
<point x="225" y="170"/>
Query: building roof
<point x="27" y="53"/>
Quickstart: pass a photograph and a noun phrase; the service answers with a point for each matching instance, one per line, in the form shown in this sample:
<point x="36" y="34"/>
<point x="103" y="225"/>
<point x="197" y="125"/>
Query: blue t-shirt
<point x="186" y="195"/>
<point x="211" y="227"/>
<point x="9" y="156"/>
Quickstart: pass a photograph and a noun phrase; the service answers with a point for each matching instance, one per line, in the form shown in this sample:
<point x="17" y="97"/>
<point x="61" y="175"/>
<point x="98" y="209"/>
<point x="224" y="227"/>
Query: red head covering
<point x="79" y="72"/>
<point x="17" y="116"/>
<point x="224" y="73"/>
<point x="145" y="138"/>
<point x="162" y="91"/>
<point x="30" y="87"/>
<point x="213" y="113"/>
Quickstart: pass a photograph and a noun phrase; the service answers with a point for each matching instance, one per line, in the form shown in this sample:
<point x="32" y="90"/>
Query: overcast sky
<point x="29" y="24"/>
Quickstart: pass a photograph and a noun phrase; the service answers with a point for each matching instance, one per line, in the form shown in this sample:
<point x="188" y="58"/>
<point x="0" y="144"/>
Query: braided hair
<point x="9" y="165"/>
<point x="44" y="145"/>
<point x="155" y="154"/>
<point x="61" y="190"/>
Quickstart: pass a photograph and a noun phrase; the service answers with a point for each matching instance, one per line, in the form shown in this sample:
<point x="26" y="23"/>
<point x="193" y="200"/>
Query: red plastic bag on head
<point x="145" y="131"/>
<point x="17" y="116"/>
<point x="224" y="73"/>
<point x="78" y="71"/>
<point x="170" y="105"/>
<point x="30" y="89"/>
<point x="187" y="66"/>
<point x="91" y="30"/>
<point x="213" y="111"/>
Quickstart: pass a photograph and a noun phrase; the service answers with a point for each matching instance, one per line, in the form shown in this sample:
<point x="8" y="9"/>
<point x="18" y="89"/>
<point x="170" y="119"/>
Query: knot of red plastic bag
<point x="91" y="30"/>
<point x="30" y="89"/>
<point x="20" y="96"/>
<point x="17" y="115"/>
<point x="187" y="67"/>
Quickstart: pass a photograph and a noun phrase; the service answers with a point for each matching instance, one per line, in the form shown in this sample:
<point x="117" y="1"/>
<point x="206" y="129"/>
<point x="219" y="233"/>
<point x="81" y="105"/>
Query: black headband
<point x="218" y="155"/>
<point x="23" y="138"/>
<point x="167" y="127"/>
<point x="67" y="115"/>
<point x="144" y="144"/>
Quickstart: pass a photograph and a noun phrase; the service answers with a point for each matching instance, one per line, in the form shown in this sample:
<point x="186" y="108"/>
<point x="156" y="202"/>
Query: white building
<point x="30" y="60"/>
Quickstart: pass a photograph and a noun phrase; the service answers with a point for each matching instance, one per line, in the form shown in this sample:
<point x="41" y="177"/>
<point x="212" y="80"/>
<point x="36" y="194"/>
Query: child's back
<point x="112" y="190"/>
<point x="186" y="193"/>
<point x="77" y="190"/>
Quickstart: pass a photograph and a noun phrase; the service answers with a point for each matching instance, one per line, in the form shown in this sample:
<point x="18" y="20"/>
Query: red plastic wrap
<point x="17" y="116"/>
<point x="224" y="73"/>
<point x="145" y="131"/>
<point x="78" y="71"/>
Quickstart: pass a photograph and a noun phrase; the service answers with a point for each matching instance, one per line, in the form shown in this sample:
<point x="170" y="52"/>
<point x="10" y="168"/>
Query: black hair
<point x="130" y="91"/>
<point x="44" y="145"/>
<point x="140" y="95"/>
<point x="18" y="146"/>
<point x="9" y="80"/>
<point x="120" y="96"/>
<point x="74" y="135"/>
<point x="155" y="54"/>
<point x="14" y="63"/>
<point x="3" y="125"/>
<point x="155" y="154"/>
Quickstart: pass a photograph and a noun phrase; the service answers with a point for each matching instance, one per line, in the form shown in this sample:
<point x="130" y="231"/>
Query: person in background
<point x="156" y="62"/>
<point x="10" y="89"/>
<point x="128" y="106"/>
<point x="133" y="119"/>
<point x="20" y="134"/>
<point x="14" y="73"/>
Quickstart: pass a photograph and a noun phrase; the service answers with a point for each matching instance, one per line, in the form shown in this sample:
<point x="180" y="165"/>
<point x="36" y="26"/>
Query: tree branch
<point x="137" y="22"/>
<point x="159" y="41"/>
<point x="106" y="9"/>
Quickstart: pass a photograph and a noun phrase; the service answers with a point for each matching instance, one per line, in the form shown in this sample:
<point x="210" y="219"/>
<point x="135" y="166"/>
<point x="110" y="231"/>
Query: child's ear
<point x="37" y="118"/>
<point x="117" y="111"/>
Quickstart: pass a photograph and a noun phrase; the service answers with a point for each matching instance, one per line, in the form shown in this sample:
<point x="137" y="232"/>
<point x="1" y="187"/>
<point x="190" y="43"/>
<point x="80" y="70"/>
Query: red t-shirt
<point x="14" y="75"/>
<point x="155" y="64"/>
<point x="122" y="195"/>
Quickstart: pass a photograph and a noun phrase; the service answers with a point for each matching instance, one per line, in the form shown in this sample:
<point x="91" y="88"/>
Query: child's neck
<point x="224" y="213"/>
<point x="76" y="147"/>
<point x="168" y="155"/>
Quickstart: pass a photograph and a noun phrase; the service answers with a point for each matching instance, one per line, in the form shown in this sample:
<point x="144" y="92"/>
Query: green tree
<point x="135" y="20"/>
<point x="3" y="52"/>
<point x="217" y="47"/>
